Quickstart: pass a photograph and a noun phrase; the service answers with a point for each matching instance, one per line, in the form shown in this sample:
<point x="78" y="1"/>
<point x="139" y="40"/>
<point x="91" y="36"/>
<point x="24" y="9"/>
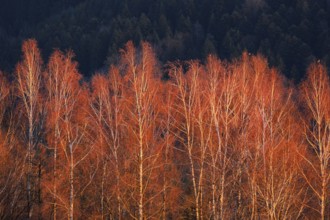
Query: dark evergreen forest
<point x="291" y="34"/>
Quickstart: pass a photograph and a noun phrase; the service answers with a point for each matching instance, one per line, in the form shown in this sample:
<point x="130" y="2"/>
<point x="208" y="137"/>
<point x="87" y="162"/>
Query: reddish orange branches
<point x="219" y="140"/>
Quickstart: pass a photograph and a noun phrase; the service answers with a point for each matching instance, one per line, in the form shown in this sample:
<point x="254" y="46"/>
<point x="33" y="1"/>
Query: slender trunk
<point x="239" y="191"/>
<point x="194" y="184"/>
<point x="118" y="186"/>
<point x="29" y="174"/>
<point x="201" y="202"/>
<point x="115" y="135"/>
<point x="222" y="200"/>
<point x="164" y="198"/>
<point x="55" y="173"/>
<point x="165" y="185"/>
<point x="102" y="189"/>
<point x="241" y="171"/>
<point x="140" y="168"/>
<point x="201" y="173"/>
<point x="39" y="188"/>
<point x="141" y="183"/>
<point x="223" y="173"/>
<point x="192" y="168"/>
<point x="71" y="184"/>
<point x="216" y="214"/>
<point x="200" y="187"/>
<point x="213" y="201"/>
<point x="323" y="171"/>
<point x="164" y="203"/>
<point x="324" y="193"/>
<point x="254" y="191"/>
<point x="54" y="186"/>
<point x="119" y="205"/>
<point x="253" y="200"/>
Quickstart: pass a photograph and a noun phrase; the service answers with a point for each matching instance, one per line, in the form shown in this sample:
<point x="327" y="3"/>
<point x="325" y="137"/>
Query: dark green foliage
<point x="289" y="33"/>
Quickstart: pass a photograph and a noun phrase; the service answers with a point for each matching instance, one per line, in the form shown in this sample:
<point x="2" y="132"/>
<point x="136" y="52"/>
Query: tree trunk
<point x="55" y="173"/>
<point x="141" y="184"/>
<point x="71" y="184"/>
<point x="29" y="174"/>
<point x="194" y="185"/>
<point x="324" y="193"/>
<point x="102" y="189"/>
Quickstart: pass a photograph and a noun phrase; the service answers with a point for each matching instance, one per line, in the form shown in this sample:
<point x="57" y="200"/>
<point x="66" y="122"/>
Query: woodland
<point x="211" y="139"/>
<point x="289" y="33"/>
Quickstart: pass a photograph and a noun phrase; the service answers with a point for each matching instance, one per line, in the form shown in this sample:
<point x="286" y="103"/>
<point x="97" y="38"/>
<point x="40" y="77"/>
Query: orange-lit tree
<point x="315" y="91"/>
<point x="220" y="140"/>
<point x="28" y="83"/>
<point x="12" y="158"/>
<point x="246" y="84"/>
<point x="190" y="128"/>
<point x="143" y="148"/>
<point x="171" y="192"/>
<point x="69" y="135"/>
<point x="106" y="107"/>
<point x="223" y="105"/>
<point x="276" y="192"/>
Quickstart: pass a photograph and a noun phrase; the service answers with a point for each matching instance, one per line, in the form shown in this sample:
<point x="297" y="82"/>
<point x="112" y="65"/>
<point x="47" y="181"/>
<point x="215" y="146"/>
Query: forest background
<point x="290" y="34"/>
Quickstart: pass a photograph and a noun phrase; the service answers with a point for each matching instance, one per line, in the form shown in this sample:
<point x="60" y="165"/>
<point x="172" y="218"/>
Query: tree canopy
<point x="291" y="34"/>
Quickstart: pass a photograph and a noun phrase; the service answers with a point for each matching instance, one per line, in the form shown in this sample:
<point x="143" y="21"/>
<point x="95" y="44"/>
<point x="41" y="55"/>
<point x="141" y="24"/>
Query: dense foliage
<point x="291" y="34"/>
<point x="216" y="140"/>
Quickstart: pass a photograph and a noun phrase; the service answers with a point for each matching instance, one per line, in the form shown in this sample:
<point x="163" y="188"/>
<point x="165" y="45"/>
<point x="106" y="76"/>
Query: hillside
<point x="290" y="34"/>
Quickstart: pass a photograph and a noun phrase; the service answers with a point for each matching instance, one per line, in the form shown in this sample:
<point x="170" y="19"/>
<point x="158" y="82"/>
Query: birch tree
<point x="143" y="188"/>
<point x="106" y="108"/>
<point x="69" y="135"/>
<point x="188" y="107"/>
<point x="315" y="92"/>
<point x="12" y="155"/>
<point x="28" y="82"/>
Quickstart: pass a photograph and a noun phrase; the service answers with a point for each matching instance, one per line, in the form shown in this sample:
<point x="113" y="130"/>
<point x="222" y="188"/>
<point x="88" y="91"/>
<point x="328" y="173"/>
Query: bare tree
<point x="106" y="107"/>
<point x="315" y="92"/>
<point x="171" y="179"/>
<point x="220" y="140"/>
<point x="215" y="73"/>
<point x="28" y="76"/>
<point x="12" y="154"/>
<point x="141" y="125"/>
<point x="190" y="125"/>
<point x="69" y="135"/>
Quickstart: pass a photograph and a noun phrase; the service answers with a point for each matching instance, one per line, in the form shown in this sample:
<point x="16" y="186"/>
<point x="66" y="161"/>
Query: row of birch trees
<point x="187" y="140"/>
